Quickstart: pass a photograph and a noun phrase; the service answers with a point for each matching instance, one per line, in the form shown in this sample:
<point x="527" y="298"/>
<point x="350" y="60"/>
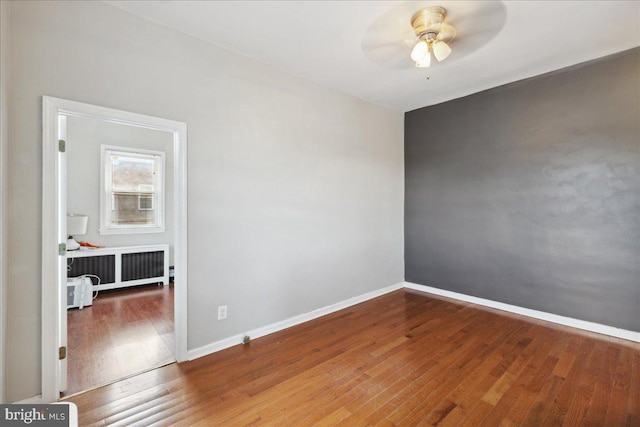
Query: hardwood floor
<point x="124" y="332"/>
<point x="402" y="359"/>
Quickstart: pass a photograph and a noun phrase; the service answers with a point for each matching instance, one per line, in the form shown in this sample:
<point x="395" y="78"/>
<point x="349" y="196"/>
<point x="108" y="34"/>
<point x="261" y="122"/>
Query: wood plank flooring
<point x="124" y="332"/>
<point x="403" y="359"/>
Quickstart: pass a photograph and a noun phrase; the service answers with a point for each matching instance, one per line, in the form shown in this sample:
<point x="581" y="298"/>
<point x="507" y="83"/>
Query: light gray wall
<point x="529" y="194"/>
<point x="84" y="138"/>
<point x="295" y="191"/>
<point x="4" y="143"/>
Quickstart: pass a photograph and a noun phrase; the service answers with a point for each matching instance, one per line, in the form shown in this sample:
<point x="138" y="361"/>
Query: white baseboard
<point x="549" y="317"/>
<point x="296" y="320"/>
<point x="35" y="400"/>
<point x="287" y="323"/>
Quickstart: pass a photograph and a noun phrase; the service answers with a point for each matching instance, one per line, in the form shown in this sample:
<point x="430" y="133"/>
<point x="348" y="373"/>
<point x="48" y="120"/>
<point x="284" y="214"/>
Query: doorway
<point x="56" y="113"/>
<point x="120" y="211"/>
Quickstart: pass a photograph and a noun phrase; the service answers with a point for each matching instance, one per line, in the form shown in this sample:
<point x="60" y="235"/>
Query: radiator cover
<point x="122" y="266"/>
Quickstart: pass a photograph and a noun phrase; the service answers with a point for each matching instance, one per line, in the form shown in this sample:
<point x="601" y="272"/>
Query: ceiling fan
<point x="433" y="35"/>
<point x="413" y="33"/>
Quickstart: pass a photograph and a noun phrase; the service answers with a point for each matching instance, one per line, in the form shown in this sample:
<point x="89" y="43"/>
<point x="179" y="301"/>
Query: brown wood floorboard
<point x="402" y="359"/>
<point x="124" y="332"/>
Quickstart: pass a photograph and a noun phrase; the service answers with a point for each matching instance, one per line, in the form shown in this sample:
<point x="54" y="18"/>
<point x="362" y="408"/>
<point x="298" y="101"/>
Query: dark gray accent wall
<point x="529" y="193"/>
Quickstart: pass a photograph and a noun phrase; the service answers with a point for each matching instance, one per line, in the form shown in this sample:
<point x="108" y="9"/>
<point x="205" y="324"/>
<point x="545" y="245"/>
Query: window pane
<point x="127" y="209"/>
<point x="131" y="173"/>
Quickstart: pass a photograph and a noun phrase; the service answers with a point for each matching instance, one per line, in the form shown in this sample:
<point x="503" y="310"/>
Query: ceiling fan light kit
<point x="433" y="35"/>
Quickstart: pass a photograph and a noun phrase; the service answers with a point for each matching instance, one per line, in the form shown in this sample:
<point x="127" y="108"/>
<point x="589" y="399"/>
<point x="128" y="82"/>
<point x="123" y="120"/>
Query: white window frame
<point x="106" y="227"/>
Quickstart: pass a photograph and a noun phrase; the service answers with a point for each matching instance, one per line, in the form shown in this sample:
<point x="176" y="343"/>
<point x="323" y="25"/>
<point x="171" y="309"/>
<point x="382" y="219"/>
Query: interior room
<point x="124" y="324"/>
<point x="321" y="213"/>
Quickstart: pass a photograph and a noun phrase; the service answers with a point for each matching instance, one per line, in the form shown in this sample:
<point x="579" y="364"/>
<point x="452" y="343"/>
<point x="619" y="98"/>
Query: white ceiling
<point x="358" y="47"/>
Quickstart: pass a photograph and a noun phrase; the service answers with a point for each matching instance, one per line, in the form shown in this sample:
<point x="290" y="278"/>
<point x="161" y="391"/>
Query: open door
<point x="62" y="259"/>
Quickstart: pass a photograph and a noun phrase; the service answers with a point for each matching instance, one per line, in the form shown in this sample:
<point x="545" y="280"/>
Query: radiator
<point x="121" y="266"/>
<point x="142" y="265"/>
<point x="103" y="266"/>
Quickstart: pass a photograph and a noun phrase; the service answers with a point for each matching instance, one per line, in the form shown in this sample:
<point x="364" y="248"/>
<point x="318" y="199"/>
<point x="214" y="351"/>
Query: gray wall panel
<point x="529" y="193"/>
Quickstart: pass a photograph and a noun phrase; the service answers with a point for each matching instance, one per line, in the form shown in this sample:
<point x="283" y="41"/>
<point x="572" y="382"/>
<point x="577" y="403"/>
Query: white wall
<point x="84" y="138"/>
<point x="295" y="191"/>
<point x="4" y="140"/>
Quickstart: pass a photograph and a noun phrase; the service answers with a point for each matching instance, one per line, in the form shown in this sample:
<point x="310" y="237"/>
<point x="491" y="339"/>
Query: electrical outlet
<point x="222" y="312"/>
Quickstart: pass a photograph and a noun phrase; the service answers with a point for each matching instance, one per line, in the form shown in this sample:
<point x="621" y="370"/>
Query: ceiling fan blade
<point x="389" y="39"/>
<point x="390" y="54"/>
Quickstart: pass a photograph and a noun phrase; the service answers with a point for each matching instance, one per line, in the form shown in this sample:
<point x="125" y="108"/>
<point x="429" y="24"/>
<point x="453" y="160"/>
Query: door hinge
<point x="62" y="248"/>
<point x="61" y="145"/>
<point x="62" y="353"/>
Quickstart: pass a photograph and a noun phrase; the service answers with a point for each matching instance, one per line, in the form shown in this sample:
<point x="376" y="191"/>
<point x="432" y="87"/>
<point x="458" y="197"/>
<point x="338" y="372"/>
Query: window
<point x="145" y="202"/>
<point x="132" y="191"/>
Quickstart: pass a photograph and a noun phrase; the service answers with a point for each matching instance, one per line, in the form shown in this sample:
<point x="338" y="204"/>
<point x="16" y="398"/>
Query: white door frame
<point x="53" y="226"/>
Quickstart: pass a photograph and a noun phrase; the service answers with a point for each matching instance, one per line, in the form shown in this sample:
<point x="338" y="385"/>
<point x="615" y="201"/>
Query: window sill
<point x="131" y="230"/>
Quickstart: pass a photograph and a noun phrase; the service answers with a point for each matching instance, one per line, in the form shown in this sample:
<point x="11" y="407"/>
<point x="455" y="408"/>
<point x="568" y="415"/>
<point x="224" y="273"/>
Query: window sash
<point x="112" y="221"/>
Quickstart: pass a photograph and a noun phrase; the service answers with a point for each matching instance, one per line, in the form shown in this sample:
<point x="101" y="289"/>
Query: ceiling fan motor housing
<point x="428" y="24"/>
